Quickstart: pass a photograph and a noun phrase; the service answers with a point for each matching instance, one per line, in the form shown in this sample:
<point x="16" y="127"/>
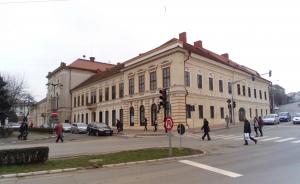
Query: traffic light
<point x="163" y="98"/>
<point x="270" y="73"/>
<point x="233" y="104"/>
<point x="229" y="104"/>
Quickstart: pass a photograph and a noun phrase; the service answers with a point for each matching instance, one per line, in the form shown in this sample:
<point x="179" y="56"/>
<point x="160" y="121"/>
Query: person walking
<point x="247" y="132"/>
<point x="227" y="121"/>
<point x="256" y="126"/>
<point x="59" y="132"/>
<point x="206" y="129"/>
<point x="118" y="126"/>
<point x="23" y="130"/>
<point x="261" y="124"/>
<point x="145" y="124"/>
<point x="155" y="126"/>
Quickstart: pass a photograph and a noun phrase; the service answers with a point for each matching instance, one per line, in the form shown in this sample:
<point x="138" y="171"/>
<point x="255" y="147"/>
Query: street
<point x="275" y="159"/>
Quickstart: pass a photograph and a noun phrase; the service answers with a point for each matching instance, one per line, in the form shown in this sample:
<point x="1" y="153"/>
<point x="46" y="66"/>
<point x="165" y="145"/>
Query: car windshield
<point x="101" y="125"/>
<point x="283" y="114"/>
<point x="81" y="125"/>
<point x="269" y="116"/>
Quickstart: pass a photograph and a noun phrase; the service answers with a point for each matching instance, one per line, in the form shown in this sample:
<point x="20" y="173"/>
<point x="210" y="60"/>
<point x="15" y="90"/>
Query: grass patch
<point x="100" y="160"/>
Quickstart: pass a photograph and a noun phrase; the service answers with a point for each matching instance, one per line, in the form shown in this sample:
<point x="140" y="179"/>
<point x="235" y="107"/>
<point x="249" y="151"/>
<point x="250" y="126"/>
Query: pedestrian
<point x="206" y="129"/>
<point x="247" y="132"/>
<point x="145" y="124"/>
<point x="59" y="132"/>
<point x="118" y="126"/>
<point x="227" y="121"/>
<point x="155" y="125"/>
<point x="261" y="124"/>
<point x="23" y="130"/>
<point x="256" y="126"/>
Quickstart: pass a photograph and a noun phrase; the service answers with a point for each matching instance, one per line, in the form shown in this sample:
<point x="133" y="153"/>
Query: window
<point x="74" y="120"/>
<point x="239" y="89"/>
<point x="266" y="111"/>
<point x="121" y="117"/>
<point x="78" y="118"/>
<point x="188" y="111"/>
<point x="199" y="81"/>
<point x="93" y="116"/>
<point x="256" y="113"/>
<point x="106" y="117"/>
<point x="153" y="85"/>
<point x="106" y="94"/>
<point x="255" y="94"/>
<point x="100" y="117"/>
<point x="222" y="112"/>
<point x="261" y="112"/>
<point x="250" y="112"/>
<point x="75" y="102"/>
<point x="82" y="100"/>
<point x="142" y="83"/>
<point x="113" y="92"/>
<point x="113" y="117"/>
<point x="86" y="98"/>
<point x="121" y="90"/>
<point x="249" y="92"/>
<point x="260" y="95"/>
<point x="142" y="115"/>
<point x="131" y="86"/>
<point x="100" y="95"/>
<point x="212" y="112"/>
<point x="265" y="95"/>
<point x="200" y="107"/>
<point x="153" y="114"/>
<point x="131" y="117"/>
<point x="87" y="118"/>
<point x="211" y="84"/>
<point x="78" y="101"/>
<point x="221" y="86"/>
<point x="166" y="77"/>
<point x="187" y="78"/>
<point x="229" y="88"/>
<point x="93" y="97"/>
<point x="82" y="118"/>
<point x="244" y="91"/>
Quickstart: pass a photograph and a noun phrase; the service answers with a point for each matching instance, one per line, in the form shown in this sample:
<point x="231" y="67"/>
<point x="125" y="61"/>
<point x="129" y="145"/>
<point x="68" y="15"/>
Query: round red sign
<point x="169" y="123"/>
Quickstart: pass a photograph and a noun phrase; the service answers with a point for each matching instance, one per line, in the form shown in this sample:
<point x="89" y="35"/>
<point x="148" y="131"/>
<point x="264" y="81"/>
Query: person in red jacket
<point x="59" y="132"/>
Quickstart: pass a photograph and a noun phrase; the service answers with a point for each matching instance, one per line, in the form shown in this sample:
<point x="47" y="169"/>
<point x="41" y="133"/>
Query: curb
<point x="55" y="171"/>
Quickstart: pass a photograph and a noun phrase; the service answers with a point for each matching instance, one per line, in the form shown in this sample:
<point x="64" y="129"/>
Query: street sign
<point x="181" y="129"/>
<point x="169" y="123"/>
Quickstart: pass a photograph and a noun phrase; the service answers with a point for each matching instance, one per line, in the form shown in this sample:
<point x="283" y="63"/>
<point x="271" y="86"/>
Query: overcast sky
<point x="36" y="36"/>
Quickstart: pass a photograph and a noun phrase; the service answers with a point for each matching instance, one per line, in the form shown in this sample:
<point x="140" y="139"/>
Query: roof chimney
<point x="198" y="44"/>
<point x="182" y="37"/>
<point x="225" y="55"/>
<point x="92" y="58"/>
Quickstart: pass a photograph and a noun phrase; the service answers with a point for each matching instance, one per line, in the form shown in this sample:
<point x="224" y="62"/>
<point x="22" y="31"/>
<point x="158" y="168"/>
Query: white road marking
<point x="209" y="168"/>
<point x="260" y="138"/>
<point x="298" y="141"/>
<point x="287" y="139"/>
<point x="270" y="139"/>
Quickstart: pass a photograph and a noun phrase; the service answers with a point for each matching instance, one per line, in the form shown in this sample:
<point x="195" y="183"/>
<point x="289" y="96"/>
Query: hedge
<point x="23" y="156"/>
<point x="5" y="132"/>
<point x="42" y="130"/>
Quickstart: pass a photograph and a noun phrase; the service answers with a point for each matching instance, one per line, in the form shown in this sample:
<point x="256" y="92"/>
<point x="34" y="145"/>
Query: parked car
<point x="271" y="119"/>
<point x="296" y="118"/>
<point x="99" y="129"/>
<point x="45" y="126"/>
<point x="14" y="125"/>
<point x="67" y="127"/>
<point x="79" y="128"/>
<point x="285" y="116"/>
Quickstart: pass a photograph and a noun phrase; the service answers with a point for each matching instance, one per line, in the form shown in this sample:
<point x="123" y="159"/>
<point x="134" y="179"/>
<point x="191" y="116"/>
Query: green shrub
<point x="5" y="132"/>
<point x="42" y="130"/>
<point x="23" y="156"/>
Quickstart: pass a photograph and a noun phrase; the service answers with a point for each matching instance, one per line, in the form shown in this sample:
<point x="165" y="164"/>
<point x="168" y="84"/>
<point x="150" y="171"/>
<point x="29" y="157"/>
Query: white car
<point x="79" y="128"/>
<point x="271" y="119"/>
<point x="296" y="118"/>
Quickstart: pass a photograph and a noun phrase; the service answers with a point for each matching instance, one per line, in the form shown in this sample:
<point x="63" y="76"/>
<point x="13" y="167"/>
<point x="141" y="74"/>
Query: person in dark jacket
<point x="23" y="130"/>
<point x="247" y="130"/>
<point x="206" y="129"/>
<point x="261" y="124"/>
<point x="145" y="124"/>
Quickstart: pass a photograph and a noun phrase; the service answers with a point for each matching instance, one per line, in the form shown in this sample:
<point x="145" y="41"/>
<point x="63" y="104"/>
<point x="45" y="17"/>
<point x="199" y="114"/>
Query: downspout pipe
<point x="186" y="91"/>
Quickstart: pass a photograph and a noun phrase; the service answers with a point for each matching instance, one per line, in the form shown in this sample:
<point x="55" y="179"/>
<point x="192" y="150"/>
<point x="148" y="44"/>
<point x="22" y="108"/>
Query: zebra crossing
<point x="235" y="137"/>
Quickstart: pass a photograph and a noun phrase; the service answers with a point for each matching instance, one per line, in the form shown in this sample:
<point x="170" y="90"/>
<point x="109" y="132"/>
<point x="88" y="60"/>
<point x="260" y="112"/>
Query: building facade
<point x="194" y="77"/>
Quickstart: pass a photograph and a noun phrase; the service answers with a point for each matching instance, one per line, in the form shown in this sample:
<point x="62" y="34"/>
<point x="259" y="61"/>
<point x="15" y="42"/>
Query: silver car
<point x="271" y="119"/>
<point x="296" y="118"/>
<point x="79" y="128"/>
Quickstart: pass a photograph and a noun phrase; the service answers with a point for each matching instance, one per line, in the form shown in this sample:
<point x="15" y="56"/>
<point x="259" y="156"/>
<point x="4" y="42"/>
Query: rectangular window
<point x="244" y="91"/>
<point x="86" y="99"/>
<point x="199" y="81"/>
<point x="93" y="97"/>
<point x="131" y="86"/>
<point x="250" y="110"/>
<point x="200" y="111"/>
<point x="106" y="117"/>
<point x="221" y="86"/>
<point x="188" y="111"/>
<point x="106" y="94"/>
<point x="239" y="89"/>
<point x="153" y="85"/>
<point x="113" y="92"/>
<point x="113" y="117"/>
<point x="100" y="95"/>
<point x="75" y="102"/>
<point x="222" y="112"/>
<point x="78" y="118"/>
<point x="266" y="111"/>
<point x="74" y="120"/>
<point x="211" y="84"/>
<point x="166" y="77"/>
<point x="142" y="83"/>
<point x="82" y="100"/>
<point x="265" y="95"/>
<point x="256" y="113"/>
<point x="254" y="93"/>
<point x="212" y="112"/>
<point x="121" y="90"/>
<point x="249" y="92"/>
<point x="78" y="101"/>
<point x="82" y="118"/>
<point x="87" y="118"/>
<point x="100" y="117"/>
<point x="229" y="88"/>
<point x="261" y="112"/>
<point x="93" y="116"/>
<point x="187" y="78"/>
<point x="260" y="95"/>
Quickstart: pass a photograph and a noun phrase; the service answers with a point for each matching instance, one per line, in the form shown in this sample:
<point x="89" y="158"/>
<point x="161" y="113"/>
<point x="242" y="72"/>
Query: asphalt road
<point x="274" y="160"/>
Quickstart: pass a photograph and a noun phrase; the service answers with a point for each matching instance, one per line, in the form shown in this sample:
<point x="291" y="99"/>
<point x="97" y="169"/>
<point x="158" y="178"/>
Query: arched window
<point x="153" y="114"/>
<point x="142" y="115"/>
<point x="131" y="117"/>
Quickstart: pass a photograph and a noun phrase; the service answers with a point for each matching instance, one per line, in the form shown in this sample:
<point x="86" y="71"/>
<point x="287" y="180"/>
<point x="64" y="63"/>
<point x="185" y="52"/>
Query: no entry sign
<point x="169" y="123"/>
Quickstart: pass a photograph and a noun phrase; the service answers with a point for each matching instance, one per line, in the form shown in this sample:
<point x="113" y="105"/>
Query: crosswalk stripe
<point x="287" y="139"/>
<point x="270" y="139"/>
<point x="298" y="141"/>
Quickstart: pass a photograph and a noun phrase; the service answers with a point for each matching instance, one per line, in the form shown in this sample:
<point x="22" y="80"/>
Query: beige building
<point x="193" y="75"/>
<point x="38" y="113"/>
